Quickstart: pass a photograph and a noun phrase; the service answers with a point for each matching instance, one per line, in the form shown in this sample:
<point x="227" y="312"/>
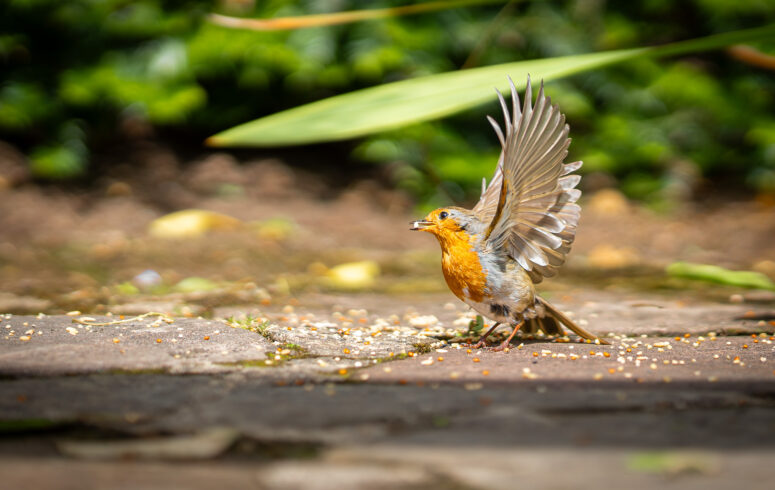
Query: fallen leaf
<point x="191" y="223"/>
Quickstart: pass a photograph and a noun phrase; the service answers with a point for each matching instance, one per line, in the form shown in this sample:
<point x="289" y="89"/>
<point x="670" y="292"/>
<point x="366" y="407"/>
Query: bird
<point x="522" y="227"/>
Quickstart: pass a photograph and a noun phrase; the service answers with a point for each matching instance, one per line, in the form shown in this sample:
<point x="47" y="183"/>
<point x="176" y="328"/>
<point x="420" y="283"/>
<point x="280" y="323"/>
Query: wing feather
<point x="534" y="218"/>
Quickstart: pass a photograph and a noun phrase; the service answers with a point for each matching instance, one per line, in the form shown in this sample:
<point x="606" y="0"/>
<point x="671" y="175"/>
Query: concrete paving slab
<point x="390" y="396"/>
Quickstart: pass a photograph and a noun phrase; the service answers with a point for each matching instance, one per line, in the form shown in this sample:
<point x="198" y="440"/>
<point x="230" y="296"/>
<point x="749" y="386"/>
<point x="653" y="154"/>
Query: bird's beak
<point x="420" y="225"/>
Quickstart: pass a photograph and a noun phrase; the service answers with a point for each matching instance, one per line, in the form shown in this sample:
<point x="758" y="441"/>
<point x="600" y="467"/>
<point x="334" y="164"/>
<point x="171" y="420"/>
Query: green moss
<point x="26" y="425"/>
<point x="273" y="359"/>
<point x="253" y="363"/>
<point x="422" y="348"/>
<point x="250" y="324"/>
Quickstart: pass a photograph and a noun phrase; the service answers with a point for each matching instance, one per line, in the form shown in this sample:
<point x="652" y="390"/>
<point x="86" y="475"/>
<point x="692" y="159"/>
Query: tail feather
<point x="546" y="324"/>
<point x="551" y="326"/>
<point x="559" y="319"/>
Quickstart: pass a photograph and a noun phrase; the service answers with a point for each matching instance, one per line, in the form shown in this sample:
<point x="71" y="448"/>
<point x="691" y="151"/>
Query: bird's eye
<point x="443" y="215"/>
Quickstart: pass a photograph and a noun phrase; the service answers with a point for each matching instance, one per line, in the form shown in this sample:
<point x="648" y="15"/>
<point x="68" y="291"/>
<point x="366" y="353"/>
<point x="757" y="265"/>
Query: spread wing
<point x="530" y="204"/>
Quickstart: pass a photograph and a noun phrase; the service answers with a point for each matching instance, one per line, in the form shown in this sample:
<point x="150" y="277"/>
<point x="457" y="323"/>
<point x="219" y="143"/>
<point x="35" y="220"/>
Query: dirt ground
<point x="67" y="248"/>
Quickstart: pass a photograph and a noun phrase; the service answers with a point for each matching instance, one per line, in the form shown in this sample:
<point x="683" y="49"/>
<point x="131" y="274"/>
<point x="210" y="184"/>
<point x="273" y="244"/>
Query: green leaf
<point x="671" y="462"/>
<point x="476" y="326"/>
<point x="398" y="104"/>
<point x="713" y="273"/>
<point x="195" y="285"/>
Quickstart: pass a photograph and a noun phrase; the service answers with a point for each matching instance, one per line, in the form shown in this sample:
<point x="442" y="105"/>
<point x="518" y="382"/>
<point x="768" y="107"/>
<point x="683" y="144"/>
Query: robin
<point x="522" y="227"/>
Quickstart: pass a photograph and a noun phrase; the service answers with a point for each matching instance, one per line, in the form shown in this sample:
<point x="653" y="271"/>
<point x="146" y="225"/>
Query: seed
<point x="476" y="359"/>
<point x="343" y="371"/>
<point x="677" y="339"/>
<point x="439" y="358"/>
<point x="468" y="351"/>
<point x="687" y="335"/>
<point x="116" y="340"/>
<point x="485" y="373"/>
<point x="346" y="351"/>
<point x="535" y="354"/>
<point x="207" y="337"/>
<point x="611" y="370"/>
<point x="745" y="346"/>
<point x="158" y="341"/>
<point x="607" y="354"/>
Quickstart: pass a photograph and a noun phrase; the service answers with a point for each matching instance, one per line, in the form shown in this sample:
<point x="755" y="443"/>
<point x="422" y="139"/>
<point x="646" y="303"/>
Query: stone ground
<point x="330" y="397"/>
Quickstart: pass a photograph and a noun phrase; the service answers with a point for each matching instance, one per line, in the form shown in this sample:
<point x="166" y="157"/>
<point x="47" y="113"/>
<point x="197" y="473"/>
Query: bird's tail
<point x="553" y="321"/>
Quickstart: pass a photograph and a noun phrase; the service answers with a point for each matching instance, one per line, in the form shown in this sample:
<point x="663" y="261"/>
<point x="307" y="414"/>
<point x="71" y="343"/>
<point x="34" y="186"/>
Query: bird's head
<point x="448" y="222"/>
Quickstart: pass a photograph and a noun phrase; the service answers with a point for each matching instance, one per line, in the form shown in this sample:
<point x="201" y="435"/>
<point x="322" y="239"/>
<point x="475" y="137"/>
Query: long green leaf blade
<point x="401" y="103"/>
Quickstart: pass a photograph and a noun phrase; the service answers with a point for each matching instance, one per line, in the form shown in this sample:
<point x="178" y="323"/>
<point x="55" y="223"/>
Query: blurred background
<point x="109" y="196"/>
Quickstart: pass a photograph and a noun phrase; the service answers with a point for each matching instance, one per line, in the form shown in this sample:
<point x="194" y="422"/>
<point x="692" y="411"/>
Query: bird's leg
<point x="483" y="338"/>
<point x="505" y="343"/>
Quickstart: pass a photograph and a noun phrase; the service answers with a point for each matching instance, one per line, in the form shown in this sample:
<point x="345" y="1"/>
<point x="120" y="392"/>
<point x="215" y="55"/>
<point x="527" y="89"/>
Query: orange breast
<point x="461" y="266"/>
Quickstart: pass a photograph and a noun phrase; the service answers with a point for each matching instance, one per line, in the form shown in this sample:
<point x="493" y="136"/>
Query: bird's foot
<point x="481" y="343"/>
<point x="482" y="340"/>
<point x="503" y="346"/>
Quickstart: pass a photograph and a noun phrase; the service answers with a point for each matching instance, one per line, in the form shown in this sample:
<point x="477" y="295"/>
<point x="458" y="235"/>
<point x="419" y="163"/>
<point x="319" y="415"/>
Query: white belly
<point x="510" y="296"/>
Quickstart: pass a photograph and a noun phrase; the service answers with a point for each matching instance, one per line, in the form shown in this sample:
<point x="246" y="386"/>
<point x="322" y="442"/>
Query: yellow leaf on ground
<point x="191" y="223"/>
<point x="353" y="275"/>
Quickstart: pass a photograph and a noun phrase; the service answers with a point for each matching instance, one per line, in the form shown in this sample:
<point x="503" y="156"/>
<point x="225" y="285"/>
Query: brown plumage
<point x="522" y="227"/>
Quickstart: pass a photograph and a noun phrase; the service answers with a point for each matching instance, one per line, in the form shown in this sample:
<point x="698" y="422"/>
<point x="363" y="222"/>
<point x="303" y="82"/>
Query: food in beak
<point x="419" y="224"/>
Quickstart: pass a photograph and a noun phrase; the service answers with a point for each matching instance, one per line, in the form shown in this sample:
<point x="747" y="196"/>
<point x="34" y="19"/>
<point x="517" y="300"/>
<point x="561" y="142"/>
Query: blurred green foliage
<point x="72" y="72"/>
